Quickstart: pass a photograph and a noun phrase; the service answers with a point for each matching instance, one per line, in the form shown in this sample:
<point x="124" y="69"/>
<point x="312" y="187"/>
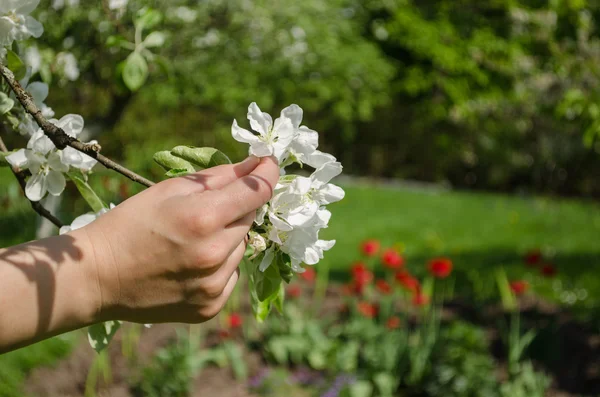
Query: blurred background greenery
<point x="495" y="95"/>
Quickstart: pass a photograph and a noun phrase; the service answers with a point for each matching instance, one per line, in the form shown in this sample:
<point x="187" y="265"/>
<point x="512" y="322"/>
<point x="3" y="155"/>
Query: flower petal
<point x="261" y="149"/>
<point x="34" y="27"/>
<point x="72" y="124"/>
<point x="36" y="187"/>
<point x="325" y="173"/>
<point x="56" y="164"/>
<point x="293" y="113"/>
<point x="40" y="143"/>
<point x="329" y="193"/>
<point x="242" y="135"/>
<point x="260" y="215"/>
<point x="317" y="159"/>
<point x="26" y="7"/>
<point x="56" y="182"/>
<point x="83" y="220"/>
<point x="279" y="223"/>
<point x="18" y="159"/>
<point x="39" y="92"/>
<point x="260" y="121"/>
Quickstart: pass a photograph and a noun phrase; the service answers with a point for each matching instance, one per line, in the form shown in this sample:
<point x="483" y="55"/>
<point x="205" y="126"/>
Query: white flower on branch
<point x="47" y="164"/>
<point x="46" y="172"/>
<point x="273" y="139"/>
<point x="16" y="23"/>
<point x="39" y="93"/>
<point x="290" y="222"/>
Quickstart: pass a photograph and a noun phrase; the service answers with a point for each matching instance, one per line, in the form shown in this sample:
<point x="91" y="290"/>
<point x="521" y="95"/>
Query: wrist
<point x="93" y="266"/>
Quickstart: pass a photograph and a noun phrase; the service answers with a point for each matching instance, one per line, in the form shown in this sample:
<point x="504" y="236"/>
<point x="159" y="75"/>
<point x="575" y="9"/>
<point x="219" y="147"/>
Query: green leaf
<point x="135" y="72"/>
<point x="116" y="40"/>
<point x="278" y="349"/>
<point x="317" y="360"/>
<point x="261" y="310"/>
<point x="148" y="18"/>
<point x="88" y="194"/>
<point x="169" y="162"/>
<point x="177" y="172"/>
<point x="267" y="283"/>
<point x="15" y="64"/>
<point x="284" y="263"/>
<point x="202" y="157"/>
<point x="386" y="383"/>
<point x="362" y="388"/>
<point x="155" y="39"/>
<point x="6" y="103"/>
<point x="279" y="299"/>
<point x="100" y="335"/>
<point x="46" y="74"/>
<point x="236" y="359"/>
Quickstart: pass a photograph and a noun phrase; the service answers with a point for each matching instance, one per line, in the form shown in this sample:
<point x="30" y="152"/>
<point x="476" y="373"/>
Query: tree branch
<point x="59" y="137"/>
<point x="37" y="207"/>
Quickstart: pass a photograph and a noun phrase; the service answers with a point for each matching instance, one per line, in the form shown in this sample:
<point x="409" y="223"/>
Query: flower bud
<point x="257" y="243"/>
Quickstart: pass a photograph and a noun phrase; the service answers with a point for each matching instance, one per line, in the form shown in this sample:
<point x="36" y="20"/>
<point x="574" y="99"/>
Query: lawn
<point x="478" y="231"/>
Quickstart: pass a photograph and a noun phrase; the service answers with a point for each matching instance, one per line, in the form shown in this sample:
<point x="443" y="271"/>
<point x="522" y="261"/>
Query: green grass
<point x="477" y="231"/>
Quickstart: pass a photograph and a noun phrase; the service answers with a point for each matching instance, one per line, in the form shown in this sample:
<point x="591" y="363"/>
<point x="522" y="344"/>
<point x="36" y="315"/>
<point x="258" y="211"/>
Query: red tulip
<point x="392" y="259"/>
<point x="393" y="322"/>
<point x="383" y="287"/>
<point x="420" y="299"/>
<point x="519" y="287"/>
<point x="549" y="270"/>
<point x="235" y="320"/>
<point x="309" y="275"/>
<point x="294" y="291"/>
<point x="533" y="257"/>
<point x="370" y="247"/>
<point x="362" y="275"/>
<point x="408" y="282"/>
<point x="367" y="309"/>
<point x="440" y="267"/>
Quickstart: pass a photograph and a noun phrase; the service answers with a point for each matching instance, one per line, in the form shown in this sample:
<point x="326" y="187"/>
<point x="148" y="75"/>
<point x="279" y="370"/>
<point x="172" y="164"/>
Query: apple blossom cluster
<point x="16" y="24"/>
<point x="289" y="224"/>
<point x="47" y="164"/>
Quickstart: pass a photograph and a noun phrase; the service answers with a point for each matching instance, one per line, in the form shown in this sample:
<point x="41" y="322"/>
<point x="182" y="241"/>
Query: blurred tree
<point x="497" y="94"/>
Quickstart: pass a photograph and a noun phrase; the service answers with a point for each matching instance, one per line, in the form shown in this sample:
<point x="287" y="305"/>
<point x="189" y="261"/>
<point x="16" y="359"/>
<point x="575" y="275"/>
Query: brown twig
<point x="59" y="137"/>
<point x="37" y="207"/>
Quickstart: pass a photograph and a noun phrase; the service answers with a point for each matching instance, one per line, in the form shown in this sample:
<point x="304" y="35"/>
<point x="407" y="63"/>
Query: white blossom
<point x="84" y="220"/>
<point x="16" y="23"/>
<point x="67" y="64"/>
<point x="47" y="164"/>
<point x="290" y="222"/>
<point x="117" y="4"/>
<point x="39" y="93"/>
<point x="273" y="139"/>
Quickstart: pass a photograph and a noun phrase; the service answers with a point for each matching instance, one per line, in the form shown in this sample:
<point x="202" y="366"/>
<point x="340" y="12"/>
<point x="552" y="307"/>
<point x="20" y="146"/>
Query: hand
<point x="171" y="253"/>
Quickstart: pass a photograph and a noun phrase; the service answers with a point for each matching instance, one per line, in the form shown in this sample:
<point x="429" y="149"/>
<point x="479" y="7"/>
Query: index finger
<point x="250" y="192"/>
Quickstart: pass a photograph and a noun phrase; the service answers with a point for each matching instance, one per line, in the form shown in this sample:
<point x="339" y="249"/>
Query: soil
<point x="569" y="351"/>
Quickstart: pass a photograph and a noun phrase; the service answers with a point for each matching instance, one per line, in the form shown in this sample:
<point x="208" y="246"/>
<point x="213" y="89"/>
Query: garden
<point x="465" y="220"/>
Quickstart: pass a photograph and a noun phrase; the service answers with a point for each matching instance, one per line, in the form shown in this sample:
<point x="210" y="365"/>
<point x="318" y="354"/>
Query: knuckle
<point x="214" y="288"/>
<point x="211" y="310"/>
<point x="215" y="255"/>
<point x="202" y="222"/>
